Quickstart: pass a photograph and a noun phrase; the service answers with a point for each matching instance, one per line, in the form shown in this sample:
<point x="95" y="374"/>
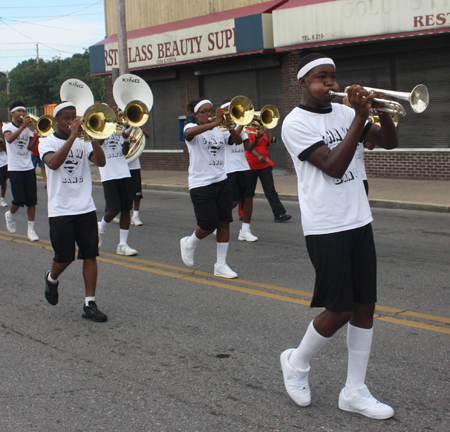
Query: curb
<point x="374" y="203"/>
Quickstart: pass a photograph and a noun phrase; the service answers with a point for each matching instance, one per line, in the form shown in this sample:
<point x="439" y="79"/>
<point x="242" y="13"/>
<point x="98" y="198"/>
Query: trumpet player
<point x="321" y="138"/>
<point x="71" y="209"/>
<point x="22" y="176"/>
<point x="209" y="187"/>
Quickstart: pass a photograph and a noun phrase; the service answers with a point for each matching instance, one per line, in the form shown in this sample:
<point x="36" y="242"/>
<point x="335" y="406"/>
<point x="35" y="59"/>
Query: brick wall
<point x="425" y="165"/>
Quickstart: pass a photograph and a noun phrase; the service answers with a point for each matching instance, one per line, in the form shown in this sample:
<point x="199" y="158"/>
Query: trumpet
<point x="418" y="98"/>
<point x="267" y="118"/>
<point x="240" y="112"/>
<point x="43" y="126"/>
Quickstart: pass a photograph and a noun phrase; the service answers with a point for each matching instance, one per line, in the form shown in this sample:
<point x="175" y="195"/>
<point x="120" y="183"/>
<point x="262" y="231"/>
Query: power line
<point x="52" y="7"/>
<point x="43" y="25"/>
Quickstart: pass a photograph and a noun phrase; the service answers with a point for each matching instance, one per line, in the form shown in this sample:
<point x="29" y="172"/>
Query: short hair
<point x="308" y="59"/>
<point x="16" y="104"/>
<point x="66" y="108"/>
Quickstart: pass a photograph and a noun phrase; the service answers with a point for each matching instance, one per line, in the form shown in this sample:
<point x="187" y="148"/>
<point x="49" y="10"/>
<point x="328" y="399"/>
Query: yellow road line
<point x="234" y="285"/>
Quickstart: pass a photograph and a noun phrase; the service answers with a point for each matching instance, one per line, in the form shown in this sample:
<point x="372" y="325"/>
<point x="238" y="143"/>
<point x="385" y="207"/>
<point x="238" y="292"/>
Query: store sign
<point x="183" y="45"/>
<point x="346" y="19"/>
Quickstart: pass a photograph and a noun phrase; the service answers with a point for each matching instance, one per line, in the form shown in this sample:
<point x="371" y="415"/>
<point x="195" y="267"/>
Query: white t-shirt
<point x="116" y="165"/>
<point x="359" y="159"/>
<point x="327" y="204"/>
<point x="206" y="157"/>
<point x="136" y="164"/>
<point x="69" y="188"/>
<point x="235" y="159"/>
<point x="19" y="157"/>
<point x="3" y="154"/>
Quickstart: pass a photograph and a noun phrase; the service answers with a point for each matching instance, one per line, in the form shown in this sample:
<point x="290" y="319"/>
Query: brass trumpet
<point x="240" y="112"/>
<point x="43" y="126"/>
<point x="267" y="118"/>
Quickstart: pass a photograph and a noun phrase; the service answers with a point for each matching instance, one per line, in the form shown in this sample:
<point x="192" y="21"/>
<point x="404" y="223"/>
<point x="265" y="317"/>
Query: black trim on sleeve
<point x="90" y="155"/>
<point x="365" y="130"/>
<point x="305" y="153"/>
<point x="45" y="154"/>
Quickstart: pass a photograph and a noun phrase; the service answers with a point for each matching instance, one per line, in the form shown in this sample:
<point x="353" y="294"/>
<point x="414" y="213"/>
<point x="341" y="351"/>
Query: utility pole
<point x="37" y="55"/>
<point x="122" y="38"/>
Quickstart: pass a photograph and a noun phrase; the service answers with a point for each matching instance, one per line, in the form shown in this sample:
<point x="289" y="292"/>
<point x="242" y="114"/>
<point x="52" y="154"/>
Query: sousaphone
<point x="134" y="99"/>
<point x="99" y="120"/>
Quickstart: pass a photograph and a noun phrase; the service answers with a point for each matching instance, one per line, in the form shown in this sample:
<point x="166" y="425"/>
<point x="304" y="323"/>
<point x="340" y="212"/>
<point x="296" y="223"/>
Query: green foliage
<point x="39" y="84"/>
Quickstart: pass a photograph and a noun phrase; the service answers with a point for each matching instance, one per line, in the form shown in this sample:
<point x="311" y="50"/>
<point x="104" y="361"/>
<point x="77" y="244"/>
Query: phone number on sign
<point x="316" y="36"/>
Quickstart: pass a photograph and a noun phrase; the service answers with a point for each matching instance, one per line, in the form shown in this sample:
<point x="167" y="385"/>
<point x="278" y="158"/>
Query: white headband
<point x="61" y="106"/>
<point x="203" y="102"/>
<point x="18" y="108"/>
<point x="312" y="64"/>
<point x="225" y="105"/>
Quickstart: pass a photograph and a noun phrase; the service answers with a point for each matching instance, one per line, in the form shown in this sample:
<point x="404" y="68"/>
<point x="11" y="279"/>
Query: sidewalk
<point x="427" y="195"/>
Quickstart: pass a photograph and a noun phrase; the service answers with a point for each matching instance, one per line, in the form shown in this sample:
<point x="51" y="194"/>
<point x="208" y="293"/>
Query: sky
<point x="53" y="28"/>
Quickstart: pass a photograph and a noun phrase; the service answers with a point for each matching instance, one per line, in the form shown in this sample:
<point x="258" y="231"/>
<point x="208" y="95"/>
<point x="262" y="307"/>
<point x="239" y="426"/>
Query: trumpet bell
<point x="269" y="116"/>
<point x="99" y="121"/>
<point x="419" y="98"/>
<point x="241" y="110"/>
<point x="43" y="126"/>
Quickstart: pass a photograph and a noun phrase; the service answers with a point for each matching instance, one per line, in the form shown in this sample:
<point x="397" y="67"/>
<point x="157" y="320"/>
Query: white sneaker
<point x="187" y="254"/>
<point x="32" y="236"/>
<point x="124" y="249"/>
<point x="295" y="380"/>
<point x="224" y="271"/>
<point x="100" y="236"/>
<point x="3" y="203"/>
<point x="136" y="221"/>
<point x="10" y="222"/>
<point x="364" y="403"/>
<point x="117" y="219"/>
<point x="246" y="235"/>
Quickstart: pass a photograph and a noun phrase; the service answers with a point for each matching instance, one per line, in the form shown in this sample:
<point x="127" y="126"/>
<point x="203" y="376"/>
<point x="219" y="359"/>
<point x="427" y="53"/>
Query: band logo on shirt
<point x="71" y="164"/>
<point x="22" y="144"/>
<point x="114" y="147"/>
<point x="332" y="138"/>
<point x="214" y="147"/>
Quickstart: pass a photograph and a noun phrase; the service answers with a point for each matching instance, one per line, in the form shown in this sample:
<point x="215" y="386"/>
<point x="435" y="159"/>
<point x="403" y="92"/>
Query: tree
<point x="39" y="84"/>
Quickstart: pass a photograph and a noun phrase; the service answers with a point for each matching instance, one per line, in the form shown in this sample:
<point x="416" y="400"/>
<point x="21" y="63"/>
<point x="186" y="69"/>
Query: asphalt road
<point x="185" y="351"/>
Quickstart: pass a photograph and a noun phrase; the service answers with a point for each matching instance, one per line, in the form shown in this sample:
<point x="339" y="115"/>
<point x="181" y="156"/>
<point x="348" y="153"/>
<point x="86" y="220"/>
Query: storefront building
<point x="254" y="50"/>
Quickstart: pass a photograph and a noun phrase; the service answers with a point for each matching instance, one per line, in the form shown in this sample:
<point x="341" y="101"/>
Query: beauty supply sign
<point x="322" y="21"/>
<point x="177" y="46"/>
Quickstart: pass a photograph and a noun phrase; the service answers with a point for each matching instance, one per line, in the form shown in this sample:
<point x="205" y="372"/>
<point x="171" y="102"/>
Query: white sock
<point x="192" y="241"/>
<point x="103" y="225"/>
<point x="31" y="225"/>
<point x="123" y="237"/>
<point x="88" y="299"/>
<point x="135" y="213"/>
<point x="310" y="345"/>
<point x="222" y="249"/>
<point x="359" y="342"/>
<point x="245" y="226"/>
<point x="50" y="279"/>
<point x="2" y="199"/>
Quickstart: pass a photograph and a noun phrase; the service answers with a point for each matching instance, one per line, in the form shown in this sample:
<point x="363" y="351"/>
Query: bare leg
<point x="90" y="276"/>
<point x="44" y="175"/>
<point x="31" y="211"/>
<point x="125" y="220"/>
<point x="58" y="268"/>
<point x="248" y="209"/>
<point x="14" y="208"/>
<point x="328" y="323"/>
<point x="4" y="187"/>
<point x="223" y="232"/>
<point x="137" y="204"/>
<point x="109" y="216"/>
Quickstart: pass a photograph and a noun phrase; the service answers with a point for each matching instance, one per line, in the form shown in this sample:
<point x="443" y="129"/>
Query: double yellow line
<point x="383" y="313"/>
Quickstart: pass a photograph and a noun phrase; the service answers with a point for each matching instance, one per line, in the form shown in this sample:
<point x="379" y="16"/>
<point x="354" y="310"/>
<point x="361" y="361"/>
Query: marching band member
<point x="135" y="171"/>
<point x="22" y="176"/>
<point x="321" y="138"/>
<point x="71" y="209"/>
<point x="209" y="187"/>
<point x="117" y="189"/>
<point x="241" y="180"/>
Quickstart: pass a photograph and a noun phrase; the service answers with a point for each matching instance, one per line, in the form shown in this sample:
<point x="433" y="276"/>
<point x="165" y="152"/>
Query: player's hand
<point x="26" y="121"/>
<point x="220" y="112"/>
<point x="360" y="100"/>
<point x="75" y="127"/>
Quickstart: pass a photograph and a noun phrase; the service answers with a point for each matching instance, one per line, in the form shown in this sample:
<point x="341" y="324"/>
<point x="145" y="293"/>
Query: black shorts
<point x="242" y="185"/>
<point x="81" y="229"/>
<point x="23" y="187"/>
<point x="346" y="268"/>
<point x="4" y="173"/>
<point x="212" y="203"/>
<point x="137" y="184"/>
<point x="118" y="194"/>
